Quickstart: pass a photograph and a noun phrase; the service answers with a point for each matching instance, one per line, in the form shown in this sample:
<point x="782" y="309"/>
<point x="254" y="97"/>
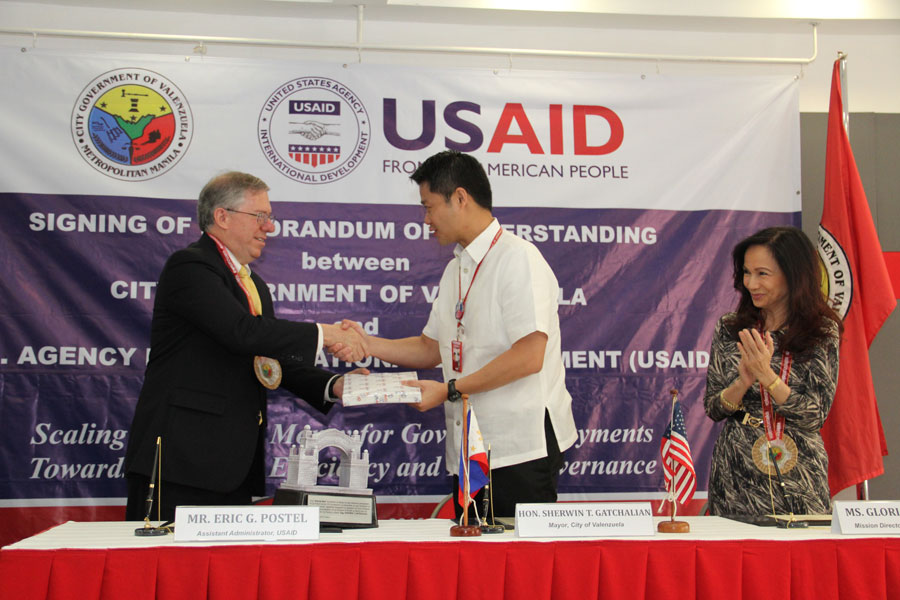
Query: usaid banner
<point x="633" y="187"/>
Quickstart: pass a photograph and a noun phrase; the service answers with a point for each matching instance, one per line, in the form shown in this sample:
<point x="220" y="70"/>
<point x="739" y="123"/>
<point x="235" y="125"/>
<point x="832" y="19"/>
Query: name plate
<point x="344" y="510"/>
<point x="245" y="523"/>
<point x="341" y="510"/>
<point x="584" y="519"/>
<point x="866" y="517"/>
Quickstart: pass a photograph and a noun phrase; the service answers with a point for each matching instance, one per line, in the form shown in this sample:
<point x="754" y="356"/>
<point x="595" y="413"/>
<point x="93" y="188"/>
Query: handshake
<point x="347" y="340"/>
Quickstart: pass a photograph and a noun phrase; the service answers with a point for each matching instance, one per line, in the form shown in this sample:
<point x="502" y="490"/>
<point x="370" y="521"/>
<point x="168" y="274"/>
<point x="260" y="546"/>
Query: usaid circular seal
<point x="837" y="278"/>
<point x="132" y="124"/>
<point x="314" y="130"/>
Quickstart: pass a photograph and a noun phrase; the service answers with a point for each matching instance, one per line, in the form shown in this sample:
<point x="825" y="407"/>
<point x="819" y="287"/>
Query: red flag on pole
<point x="857" y="283"/>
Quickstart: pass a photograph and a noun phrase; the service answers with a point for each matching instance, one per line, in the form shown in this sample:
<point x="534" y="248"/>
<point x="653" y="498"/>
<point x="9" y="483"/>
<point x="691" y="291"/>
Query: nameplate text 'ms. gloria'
<point x="866" y="517"/>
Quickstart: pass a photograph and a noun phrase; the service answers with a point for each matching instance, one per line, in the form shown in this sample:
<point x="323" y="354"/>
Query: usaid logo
<point x="299" y="107"/>
<point x="555" y="129"/>
<point x="314" y="130"/>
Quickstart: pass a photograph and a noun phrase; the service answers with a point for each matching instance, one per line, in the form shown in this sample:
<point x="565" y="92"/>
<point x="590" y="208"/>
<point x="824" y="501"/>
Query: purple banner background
<point x="636" y="319"/>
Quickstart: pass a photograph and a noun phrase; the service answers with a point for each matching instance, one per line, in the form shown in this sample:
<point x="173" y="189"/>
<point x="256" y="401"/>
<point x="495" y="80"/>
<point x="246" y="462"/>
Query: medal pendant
<point x="785" y="451"/>
<point x="268" y="371"/>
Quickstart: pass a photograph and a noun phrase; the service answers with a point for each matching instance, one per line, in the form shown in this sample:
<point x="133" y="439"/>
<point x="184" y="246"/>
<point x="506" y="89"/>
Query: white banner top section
<point x="155" y="126"/>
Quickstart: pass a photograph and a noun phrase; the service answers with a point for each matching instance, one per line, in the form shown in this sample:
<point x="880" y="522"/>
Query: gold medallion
<point x="268" y="371"/>
<point x="785" y="451"/>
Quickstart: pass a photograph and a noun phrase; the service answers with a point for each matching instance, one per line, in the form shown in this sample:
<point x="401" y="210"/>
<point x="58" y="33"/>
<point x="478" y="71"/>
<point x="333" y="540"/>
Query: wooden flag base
<point x="465" y="531"/>
<point x="673" y="526"/>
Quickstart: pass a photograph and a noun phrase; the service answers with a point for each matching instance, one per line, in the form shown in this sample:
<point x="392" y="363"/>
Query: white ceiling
<point x="592" y="13"/>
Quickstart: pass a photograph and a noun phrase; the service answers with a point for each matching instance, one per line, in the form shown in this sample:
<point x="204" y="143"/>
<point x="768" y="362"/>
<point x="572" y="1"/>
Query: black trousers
<point x="174" y="494"/>
<point x="533" y="481"/>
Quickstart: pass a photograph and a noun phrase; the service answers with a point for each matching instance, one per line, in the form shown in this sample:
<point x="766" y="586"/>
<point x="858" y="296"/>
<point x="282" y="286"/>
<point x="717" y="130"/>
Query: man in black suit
<point x="201" y="394"/>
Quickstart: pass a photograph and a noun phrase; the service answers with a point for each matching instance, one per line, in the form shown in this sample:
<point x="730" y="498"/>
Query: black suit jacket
<point x="200" y="393"/>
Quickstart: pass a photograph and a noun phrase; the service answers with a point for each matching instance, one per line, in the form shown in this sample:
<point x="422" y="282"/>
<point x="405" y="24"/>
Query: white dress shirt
<point x="514" y="294"/>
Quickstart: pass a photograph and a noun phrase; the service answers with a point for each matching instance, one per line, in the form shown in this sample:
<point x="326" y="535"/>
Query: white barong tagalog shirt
<point x="514" y="294"/>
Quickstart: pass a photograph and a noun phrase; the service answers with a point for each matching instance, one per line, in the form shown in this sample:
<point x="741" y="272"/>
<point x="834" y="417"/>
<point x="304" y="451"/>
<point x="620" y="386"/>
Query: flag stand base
<point x="673" y="527"/>
<point x="465" y="531"/>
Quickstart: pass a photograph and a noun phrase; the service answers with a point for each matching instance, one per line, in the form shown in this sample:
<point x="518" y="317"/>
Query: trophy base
<point x="344" y="511"/>
<point x="673" y="527"/>
<point x="465" y="531"/>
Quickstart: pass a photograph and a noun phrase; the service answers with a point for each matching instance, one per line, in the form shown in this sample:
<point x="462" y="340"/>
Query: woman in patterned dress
<point x="772" y="374"/>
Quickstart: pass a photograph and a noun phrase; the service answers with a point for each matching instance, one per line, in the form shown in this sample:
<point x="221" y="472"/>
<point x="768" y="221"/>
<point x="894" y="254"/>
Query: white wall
<point x="873" y="46"/>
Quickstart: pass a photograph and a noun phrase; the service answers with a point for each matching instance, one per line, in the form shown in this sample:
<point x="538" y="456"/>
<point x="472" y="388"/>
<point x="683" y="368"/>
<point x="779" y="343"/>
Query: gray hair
<point x="226" y="191"/>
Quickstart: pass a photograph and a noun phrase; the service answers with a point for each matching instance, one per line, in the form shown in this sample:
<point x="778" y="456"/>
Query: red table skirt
<point x="732" y="570"/>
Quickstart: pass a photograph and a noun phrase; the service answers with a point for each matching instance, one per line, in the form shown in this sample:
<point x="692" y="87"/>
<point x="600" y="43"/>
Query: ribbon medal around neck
<point x="267" y="370"/>
<point x="783" y="446"/>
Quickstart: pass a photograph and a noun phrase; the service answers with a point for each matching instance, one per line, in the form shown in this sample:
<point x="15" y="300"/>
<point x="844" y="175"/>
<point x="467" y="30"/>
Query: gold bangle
<point x="771" y="387"/>
<point x="726" y="403"/>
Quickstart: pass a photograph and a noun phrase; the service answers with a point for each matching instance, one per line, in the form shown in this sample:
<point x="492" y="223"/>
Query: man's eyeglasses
<point x="261" y="217"/>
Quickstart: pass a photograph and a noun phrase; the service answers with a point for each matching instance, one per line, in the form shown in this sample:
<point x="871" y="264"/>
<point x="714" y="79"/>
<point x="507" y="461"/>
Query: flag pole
<point x="672" y="502"/>
<point x="464" y="529"/>
<point x="488" y="506"/>
<point x="850" y="250"/>
<point x="845" y="116"/>
<point x="862" y="488"/>
<point x="672" y="526"/>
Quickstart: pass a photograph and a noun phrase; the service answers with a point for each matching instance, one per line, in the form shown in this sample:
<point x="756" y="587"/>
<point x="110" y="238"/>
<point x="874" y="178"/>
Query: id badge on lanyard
<point x="456" y="346"/>
<point x="456" y="355"/>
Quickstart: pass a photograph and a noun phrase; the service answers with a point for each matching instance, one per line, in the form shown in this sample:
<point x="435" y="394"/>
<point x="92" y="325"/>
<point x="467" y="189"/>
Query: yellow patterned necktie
<point x="251" y="288"/>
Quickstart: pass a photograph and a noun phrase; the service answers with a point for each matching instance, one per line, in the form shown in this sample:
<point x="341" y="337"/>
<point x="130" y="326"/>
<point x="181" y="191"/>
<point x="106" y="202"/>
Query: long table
<point x="417" y="559"/>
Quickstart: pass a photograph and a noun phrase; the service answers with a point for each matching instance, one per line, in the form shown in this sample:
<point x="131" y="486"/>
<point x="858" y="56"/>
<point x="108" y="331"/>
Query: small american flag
<point x="678" y="466"/>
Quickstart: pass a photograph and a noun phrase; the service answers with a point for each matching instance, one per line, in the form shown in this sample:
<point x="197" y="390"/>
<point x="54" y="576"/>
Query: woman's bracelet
<point x="771" y="387"/>
<point x="726" y="403"/>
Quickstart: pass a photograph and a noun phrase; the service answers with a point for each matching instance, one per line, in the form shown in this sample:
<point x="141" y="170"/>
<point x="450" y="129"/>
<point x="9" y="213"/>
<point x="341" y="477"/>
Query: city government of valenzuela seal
<point x="314" y="130"/>
<point x="132" y="124"/>
<point x="837" y="278"/>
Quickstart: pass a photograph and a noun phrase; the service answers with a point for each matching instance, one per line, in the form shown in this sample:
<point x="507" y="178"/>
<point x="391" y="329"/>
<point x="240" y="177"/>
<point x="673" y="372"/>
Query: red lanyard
<point x="235" y="270"/>
<point x="461" y="304"/>
<point x="775" y="423"/>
